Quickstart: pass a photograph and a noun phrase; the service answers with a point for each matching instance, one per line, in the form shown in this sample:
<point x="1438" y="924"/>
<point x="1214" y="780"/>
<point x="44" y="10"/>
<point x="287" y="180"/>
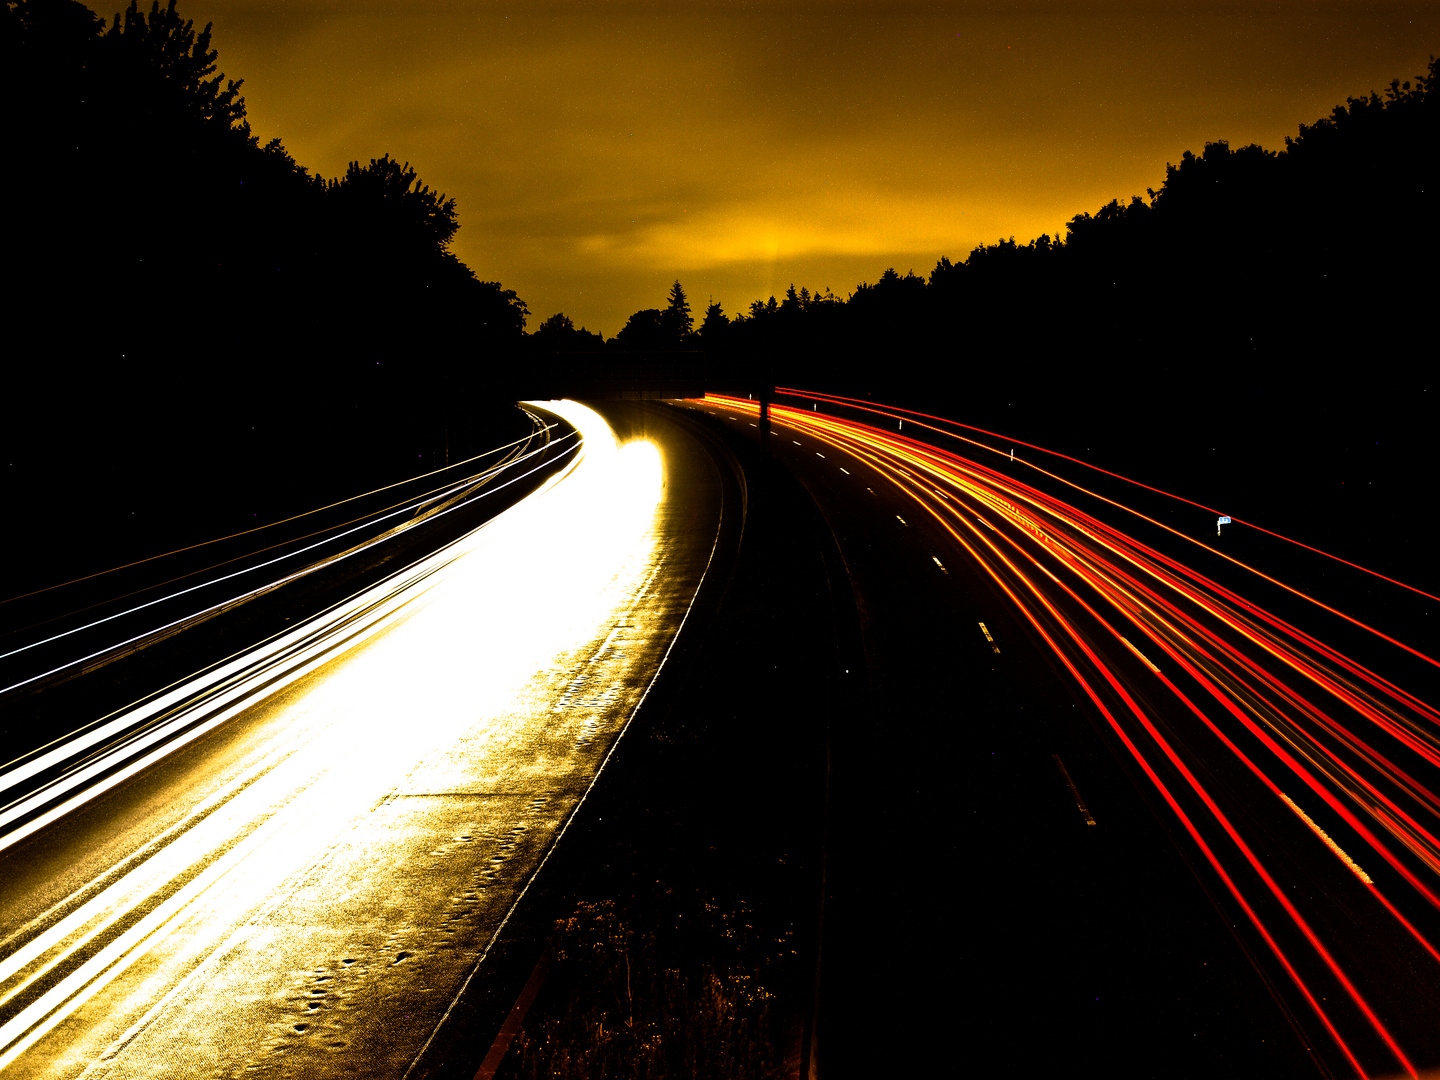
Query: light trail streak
<point x="856" y="403"/>
<point x="507" y="450"/>
<point x="416" y="507"/>
<point x="427" y="674"/>
<point x="95" y="758"/>
<point x="1252" y="700"/>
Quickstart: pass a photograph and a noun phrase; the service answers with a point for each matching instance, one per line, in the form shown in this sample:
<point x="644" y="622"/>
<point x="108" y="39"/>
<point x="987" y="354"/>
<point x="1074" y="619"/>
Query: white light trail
<point x="447" y="651"/>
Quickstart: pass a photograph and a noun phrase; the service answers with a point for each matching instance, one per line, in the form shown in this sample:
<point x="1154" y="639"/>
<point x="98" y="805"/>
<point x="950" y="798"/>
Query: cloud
<point x="606" y="148"/>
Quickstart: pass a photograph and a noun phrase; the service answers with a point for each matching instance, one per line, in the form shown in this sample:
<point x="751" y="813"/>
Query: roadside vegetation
<point x="636" y="993"/>
<point x="1242" y="255"/>
<point x="1257" y="332"/>
<point x="205" y="334"/>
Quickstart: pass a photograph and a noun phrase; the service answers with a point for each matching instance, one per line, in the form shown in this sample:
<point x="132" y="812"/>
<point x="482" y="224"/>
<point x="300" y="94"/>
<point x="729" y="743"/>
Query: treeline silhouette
<point x="1259" y="330"/>
<point x="147" y="197"/>
<point x="1247" y="258"/>
<point x="190" y="308"/>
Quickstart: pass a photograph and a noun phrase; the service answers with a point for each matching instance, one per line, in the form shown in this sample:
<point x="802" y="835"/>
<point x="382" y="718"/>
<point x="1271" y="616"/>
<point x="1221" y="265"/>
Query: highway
<point x="1098" y="792"/>
<point x="294" y="860"/>
<point x="1126" y="784"/>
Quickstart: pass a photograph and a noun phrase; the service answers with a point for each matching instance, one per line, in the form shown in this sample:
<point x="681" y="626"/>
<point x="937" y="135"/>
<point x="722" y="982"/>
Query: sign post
<point x="766" y="392"/>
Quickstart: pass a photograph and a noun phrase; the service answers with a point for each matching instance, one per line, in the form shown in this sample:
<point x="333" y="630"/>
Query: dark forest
<point x="1265" y="297"/>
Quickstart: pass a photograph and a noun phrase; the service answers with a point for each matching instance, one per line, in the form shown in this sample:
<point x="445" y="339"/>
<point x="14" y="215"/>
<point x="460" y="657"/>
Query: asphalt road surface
<point x="307" y="881"/>
<point x="1098" y="807"/>
<point x="1092" y="805"/>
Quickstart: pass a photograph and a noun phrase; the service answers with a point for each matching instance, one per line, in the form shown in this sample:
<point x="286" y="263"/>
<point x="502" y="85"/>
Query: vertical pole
<point x="766" y="392"/>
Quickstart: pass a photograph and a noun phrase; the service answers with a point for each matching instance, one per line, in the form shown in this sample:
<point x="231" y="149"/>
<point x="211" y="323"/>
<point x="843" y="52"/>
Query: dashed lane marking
<point x="986" y="631"/>
<point x="1143" y="658"/>
<point x="940" y="564"/>
<point x="1325" y="838"/>
<point x="1074" y="791"/>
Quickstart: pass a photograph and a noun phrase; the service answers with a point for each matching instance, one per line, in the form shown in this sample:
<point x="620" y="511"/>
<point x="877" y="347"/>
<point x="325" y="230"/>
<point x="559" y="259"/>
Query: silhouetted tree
<point x="559" y="334"/>
<point x="175" y="66"/>
<point x="184" y="264"/>
<point x="496" y="315"/>
<point x="389" y="196"/>
<point x="676" y="317"/>
<point x="714" y="325"/>
<point x="645" y="331"/>
<point x="761" y="310"/>
<point x="202" y="308"/>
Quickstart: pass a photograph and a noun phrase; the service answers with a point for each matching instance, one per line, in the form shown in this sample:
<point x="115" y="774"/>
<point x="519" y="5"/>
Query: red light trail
<point x="1222" y="705"/>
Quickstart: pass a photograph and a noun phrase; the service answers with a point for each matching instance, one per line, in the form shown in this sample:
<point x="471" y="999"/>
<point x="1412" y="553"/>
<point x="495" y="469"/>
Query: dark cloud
<point x="599" y="150"/>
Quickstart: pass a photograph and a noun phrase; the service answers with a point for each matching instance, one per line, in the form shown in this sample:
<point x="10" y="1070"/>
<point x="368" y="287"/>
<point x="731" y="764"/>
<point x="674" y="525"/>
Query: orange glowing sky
<point x="599" y="150"/>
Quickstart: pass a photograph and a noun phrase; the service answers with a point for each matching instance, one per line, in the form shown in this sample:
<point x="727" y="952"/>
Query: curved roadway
<point x="309" y="887"/>
<point x="1098" y="808"/>
<point x="1018" y="871"/>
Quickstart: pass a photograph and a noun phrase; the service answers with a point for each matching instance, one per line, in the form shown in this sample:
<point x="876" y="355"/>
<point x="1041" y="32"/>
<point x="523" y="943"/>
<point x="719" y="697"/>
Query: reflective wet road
<point x="305" y="887"/>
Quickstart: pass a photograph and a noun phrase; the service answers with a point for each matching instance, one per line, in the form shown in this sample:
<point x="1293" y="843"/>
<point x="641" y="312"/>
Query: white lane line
<point x="796" y="443"/>
<point x="844" y="470"/>
<point x="818" y="454"/>
<point x="902" y="521"/>
<point x="940" y="564"/>
<point x="1327" y="841"/>
<point x="1143" y="658"/>
<point x="1074" y="791"/>
<point x="987" y="525"/>
<point x="986" y="631"/>
<point x="754" y="425"/>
